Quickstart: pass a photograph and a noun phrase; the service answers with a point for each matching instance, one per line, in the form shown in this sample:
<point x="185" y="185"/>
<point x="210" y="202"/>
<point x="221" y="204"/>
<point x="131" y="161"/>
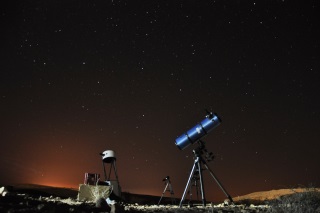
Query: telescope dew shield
<point x="198" y="131"/>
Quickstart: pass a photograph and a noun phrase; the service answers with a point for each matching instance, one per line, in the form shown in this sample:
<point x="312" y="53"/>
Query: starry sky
<point x="82" y="77"/>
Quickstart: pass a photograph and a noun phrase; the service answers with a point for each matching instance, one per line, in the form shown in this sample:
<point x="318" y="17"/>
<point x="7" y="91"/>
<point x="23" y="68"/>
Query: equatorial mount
<point x="201" y="150"/>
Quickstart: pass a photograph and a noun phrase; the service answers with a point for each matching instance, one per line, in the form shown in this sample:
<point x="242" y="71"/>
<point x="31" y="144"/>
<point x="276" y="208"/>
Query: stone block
<point x="93" y="193"/>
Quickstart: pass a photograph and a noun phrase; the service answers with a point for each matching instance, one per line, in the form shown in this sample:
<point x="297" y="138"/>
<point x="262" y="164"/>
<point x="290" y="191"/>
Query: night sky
<point x="82" y="77"/>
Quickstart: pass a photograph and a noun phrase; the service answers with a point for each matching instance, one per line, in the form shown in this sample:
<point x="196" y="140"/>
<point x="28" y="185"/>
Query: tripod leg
<point x="201" y="185"/>
<point x="218" y="182"/>
<point x="197" y="188"/>
<point x="171" y="193"/>
<point x="190" y="192"/>
<point x="188" y="183"/>
<point x="110" y="171"/>
<point x="117" y="178"/>
<point x="104" y="170"/>
<point x="115" y="171"/>
<point x="165" y="189"/>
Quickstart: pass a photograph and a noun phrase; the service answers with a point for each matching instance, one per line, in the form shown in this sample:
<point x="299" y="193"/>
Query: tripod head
<point x="166" y="178"/>
<point x="201" y="149"/>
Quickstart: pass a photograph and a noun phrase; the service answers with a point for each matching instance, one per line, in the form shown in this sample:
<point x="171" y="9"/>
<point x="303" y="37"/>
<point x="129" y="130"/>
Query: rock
<point x="3" y="191"/>
<point x="101" y="203"/>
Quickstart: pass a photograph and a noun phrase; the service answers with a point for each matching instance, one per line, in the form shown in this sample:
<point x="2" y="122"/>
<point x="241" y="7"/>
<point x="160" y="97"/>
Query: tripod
<point x="168" y="184"/>
<point x="108" y="157"/>
<point x="198" y="162"/>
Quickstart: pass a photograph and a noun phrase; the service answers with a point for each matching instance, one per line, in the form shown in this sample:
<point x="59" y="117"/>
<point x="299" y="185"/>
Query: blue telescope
<point x="198" y="131"/>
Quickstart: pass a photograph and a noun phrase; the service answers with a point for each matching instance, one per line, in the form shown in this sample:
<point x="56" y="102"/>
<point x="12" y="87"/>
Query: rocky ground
<point x="44" y="200"/>
<point x="27" y="203"/>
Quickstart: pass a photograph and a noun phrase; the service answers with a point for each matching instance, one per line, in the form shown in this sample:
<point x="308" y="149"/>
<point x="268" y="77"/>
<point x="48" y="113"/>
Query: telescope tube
<point x="198" y="131"/>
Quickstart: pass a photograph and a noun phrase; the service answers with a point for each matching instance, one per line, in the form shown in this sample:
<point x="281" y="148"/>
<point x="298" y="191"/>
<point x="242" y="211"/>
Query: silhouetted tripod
<point x="109" y="157"/>
<point x="168" y="184"/>
<point x="198" y="162"/>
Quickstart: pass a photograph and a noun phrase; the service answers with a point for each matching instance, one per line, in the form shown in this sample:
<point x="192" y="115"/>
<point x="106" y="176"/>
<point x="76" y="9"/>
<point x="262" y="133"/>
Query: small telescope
<point x="198" y="131"/>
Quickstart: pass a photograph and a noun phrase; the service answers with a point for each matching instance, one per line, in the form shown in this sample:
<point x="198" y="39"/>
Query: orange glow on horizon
<point x="55" y="184"/>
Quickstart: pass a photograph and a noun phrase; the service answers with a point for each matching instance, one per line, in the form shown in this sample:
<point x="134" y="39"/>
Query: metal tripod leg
<point x="189" y="180"/>
<point x="171" y="193"/>
<point x="165" y="189"/>
<point x="201" y="184"/>
<point x="110" y="171"/>
<point x="217" y="181"/>
<point x="104" y="170"/>
<point x="116" y="174"/>
<point x="115" y="171"/>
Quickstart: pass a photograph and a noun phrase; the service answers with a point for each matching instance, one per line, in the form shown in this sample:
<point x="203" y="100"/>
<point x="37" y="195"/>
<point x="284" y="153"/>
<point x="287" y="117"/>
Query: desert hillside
<point x="272" y="194"/>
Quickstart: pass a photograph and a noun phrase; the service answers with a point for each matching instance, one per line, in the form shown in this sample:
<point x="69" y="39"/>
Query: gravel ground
<point x="15" y="202"/>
